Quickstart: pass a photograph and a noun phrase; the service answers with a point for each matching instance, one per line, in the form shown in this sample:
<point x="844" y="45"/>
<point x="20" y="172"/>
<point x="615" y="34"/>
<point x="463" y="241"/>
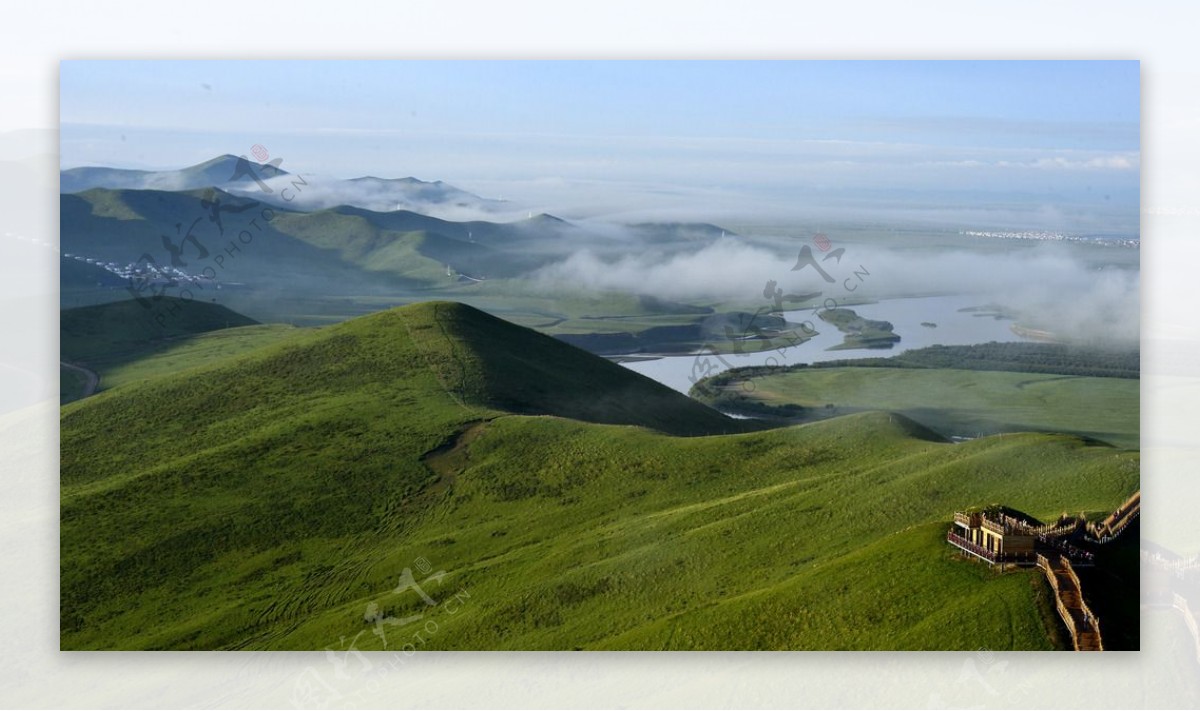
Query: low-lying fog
<point x="1047" y="284"/>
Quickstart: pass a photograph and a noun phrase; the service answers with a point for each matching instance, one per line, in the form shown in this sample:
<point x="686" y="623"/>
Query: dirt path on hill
<point x="92" y="380"/>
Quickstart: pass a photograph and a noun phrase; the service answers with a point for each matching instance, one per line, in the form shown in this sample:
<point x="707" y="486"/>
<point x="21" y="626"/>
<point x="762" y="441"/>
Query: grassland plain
<point x="956" y="402"/>
<point x="267" y="499"/>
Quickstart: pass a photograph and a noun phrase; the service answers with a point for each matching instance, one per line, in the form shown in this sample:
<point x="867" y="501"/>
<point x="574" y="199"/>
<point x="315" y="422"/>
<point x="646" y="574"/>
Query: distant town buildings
<point x="148" y="273"/>
<point x="1054" y="237"/>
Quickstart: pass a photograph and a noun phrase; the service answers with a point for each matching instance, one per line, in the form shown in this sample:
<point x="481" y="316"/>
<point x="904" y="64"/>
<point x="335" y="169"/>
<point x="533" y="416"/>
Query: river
<point x="953" y="328"/>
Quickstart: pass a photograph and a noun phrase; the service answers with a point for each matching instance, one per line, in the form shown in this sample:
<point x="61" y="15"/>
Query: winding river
<point x="952" y="328"/>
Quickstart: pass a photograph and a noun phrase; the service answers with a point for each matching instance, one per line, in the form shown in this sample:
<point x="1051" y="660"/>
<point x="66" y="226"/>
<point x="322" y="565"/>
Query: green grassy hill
<point x="341" y="250"/>
<point x="102" y="330"/>
<point x="123" y="341"/>
<point x="126" y="226"/>
<point x="273" y="499"/>
<point x="315" y="268"/>
<point x="538" y="228"/>
<point x="408" y="244"/>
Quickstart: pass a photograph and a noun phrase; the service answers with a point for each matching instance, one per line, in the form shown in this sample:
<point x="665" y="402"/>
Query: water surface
<point x="953" y="328"/>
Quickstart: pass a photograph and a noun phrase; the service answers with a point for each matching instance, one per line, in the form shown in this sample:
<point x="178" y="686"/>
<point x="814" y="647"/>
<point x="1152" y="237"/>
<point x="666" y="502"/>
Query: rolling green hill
<point x="342" y="249"/>
<point x="89" y="332"/>
<point x="132" y="226"/>
<point x="123" y="341"/>
<point x="314" y="268"/>
<point x="538" y="228"/>
<point x="106" y="332"/>
<point x="273" y="499"/>
<point x="410" y="245"/>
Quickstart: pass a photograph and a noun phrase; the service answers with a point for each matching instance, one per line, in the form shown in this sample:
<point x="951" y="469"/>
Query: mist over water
<point x="1048" y="286"/>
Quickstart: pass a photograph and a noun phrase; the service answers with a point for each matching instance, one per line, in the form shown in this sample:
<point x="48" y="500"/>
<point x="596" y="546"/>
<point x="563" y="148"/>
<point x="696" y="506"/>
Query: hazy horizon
<point x="1019" y="145"/>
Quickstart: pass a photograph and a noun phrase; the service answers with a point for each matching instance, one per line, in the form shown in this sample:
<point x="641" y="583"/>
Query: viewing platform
<point x="1002" y="536"/>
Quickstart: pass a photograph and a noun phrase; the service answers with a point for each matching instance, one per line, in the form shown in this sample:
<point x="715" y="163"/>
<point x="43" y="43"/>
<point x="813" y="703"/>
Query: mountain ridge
<point x="221" y="171"/>
<point x="248" y="177"/>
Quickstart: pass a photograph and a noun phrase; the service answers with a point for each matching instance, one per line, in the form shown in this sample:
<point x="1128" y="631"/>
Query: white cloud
<point x="1115" y="161"/>
<point x="1046" y="283"/>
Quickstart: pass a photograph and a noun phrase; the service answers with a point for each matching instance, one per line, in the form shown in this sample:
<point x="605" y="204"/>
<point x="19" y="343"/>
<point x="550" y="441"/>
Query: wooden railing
<point x="1118" y="520"/>
<point x="1066" y="563"/>
<point x="1081" y="622"/>
<point x="1052" y="577"/>
<point x="1062" y="547"/>
<point x="1016" y="558"/>
<point x="1060" y="529"/>
<point x="970" y="547"/>
<point x="993" y="526"/>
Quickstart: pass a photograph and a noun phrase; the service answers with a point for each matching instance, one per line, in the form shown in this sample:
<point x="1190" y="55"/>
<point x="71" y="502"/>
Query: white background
<point x="35" y="37"/>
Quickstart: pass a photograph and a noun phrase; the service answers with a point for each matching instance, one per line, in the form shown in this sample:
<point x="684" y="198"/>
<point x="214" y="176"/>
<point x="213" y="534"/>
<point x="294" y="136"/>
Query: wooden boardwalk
<point x="1058" y="544"/>
<point x="1116" y="522"/>
<point x="1083" y="625"/>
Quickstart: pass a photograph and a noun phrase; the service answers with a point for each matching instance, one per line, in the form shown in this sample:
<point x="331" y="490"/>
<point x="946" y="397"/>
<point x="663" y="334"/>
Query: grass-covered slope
<point x="277" y="243"/>
<point x="521" y="371"/>
<point x="268" y="500"/>
<point x="407" y="244"/>
<point x="123" y="341"/>
<point x="135" y="226"/>
<point x="174" y="484"/>
<point x="164" y="358"/>
<point x="826" y="536"/>
<point x="89" y="332"/>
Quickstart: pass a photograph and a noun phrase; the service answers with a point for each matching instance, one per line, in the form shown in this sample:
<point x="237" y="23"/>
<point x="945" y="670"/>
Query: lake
<point x="954" y="328"/>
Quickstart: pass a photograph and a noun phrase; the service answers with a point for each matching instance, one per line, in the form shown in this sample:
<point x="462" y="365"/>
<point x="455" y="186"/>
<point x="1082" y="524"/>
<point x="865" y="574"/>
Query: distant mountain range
<point x="414" y="202"/>
<point x="220" y="172"/>
<point x="277" y="186"/>
<point x="336" y="250"/>
<point x="210" y="230"/>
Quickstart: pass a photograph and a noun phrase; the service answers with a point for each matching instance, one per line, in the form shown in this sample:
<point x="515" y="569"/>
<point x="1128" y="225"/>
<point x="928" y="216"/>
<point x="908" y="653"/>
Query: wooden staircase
<point x="1083" y="625"/>
<point x="1116" y="522"/>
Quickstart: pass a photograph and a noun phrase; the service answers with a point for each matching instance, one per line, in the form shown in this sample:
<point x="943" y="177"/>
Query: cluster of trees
<point x="737" y="401"/>
<point x="1056" y="358"/>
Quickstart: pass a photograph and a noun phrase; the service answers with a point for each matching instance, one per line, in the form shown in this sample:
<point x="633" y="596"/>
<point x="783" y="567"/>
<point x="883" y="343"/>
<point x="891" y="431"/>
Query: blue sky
<point x="1049" y="137"/>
